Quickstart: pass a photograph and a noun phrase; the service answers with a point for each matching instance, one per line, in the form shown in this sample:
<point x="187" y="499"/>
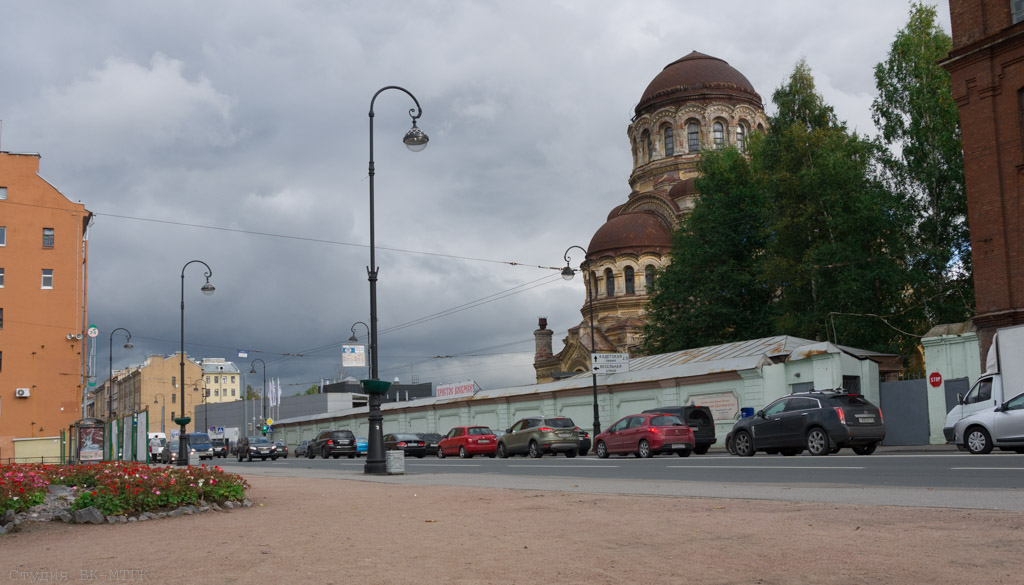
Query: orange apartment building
<point x="43" y="277"/>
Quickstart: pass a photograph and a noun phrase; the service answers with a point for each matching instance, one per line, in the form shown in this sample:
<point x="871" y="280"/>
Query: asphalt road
<point x="935" y="478"/>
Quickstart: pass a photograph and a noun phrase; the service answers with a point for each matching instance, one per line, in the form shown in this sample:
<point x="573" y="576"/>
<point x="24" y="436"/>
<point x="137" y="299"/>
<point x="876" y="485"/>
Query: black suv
<point x="332" y="444"/>
<point x="700" y="421"/>
<point x="250" y="448"/>
<point x="821" y="422"/>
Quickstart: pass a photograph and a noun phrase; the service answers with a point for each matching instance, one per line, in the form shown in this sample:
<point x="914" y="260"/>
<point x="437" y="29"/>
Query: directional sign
<point x="609" y="363"/>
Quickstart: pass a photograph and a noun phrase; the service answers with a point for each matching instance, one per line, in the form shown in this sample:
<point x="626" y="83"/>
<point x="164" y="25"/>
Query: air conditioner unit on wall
<point x="22" y="393"/>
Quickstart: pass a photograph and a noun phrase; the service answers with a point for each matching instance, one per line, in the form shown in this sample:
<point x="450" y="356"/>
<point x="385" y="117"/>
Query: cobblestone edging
<point x="57" y="507"/>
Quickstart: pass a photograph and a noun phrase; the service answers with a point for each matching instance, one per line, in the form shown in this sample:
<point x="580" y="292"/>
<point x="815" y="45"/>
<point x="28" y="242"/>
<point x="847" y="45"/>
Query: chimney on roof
<point x="542" y="337"/>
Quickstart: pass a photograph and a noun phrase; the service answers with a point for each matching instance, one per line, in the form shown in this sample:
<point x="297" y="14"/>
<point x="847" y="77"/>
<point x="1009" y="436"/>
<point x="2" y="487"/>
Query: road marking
<point x="447" y="464"/>
<point x="987" y="468"/>
<point x="574" y="466"/>
<point x="755" y="467"/>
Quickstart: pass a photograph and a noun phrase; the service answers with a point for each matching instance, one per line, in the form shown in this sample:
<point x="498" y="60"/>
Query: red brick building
<point x="987" y="70"/>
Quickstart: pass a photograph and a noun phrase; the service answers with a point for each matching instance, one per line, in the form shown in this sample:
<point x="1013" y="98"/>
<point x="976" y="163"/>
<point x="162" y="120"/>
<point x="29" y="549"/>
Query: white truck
<point x="1002" y="381"/>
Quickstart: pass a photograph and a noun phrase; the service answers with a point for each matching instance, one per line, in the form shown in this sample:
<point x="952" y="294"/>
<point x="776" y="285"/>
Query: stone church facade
<point x="696" y="103"/>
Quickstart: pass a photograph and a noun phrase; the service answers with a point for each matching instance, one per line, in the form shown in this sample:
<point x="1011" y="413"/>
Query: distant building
<point x="986" y="67"/>
<point x="43" y="318"/>
<point x="154" y="386"/>
<point x="695" y="103"/>
<point x="222" y="380"/>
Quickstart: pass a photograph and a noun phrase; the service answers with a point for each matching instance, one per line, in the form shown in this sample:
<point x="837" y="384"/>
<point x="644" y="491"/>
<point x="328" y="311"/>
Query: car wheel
<point x="643" y="449"/>
<point x="462" y="453"/>
<point x="583" y="452"/>
<point x="274" y="458"/>
<point x="743" y="444"/>
<point x="309" y="454"/>
<point x="571" y="454"/>
<point x="324" y="452"/>
<point x="771" y="451"/>
<point x="790" y="452"/>
<point x="865" y="449"/>
<point x="818" y="443"/>
<point x="490" y="455"/>
<point x="701" y="449"/>
<point x="730" y="446"/>
<point x="250" y="457"/>
<point x="535" y="450"/>
<point x="601" y="450"/>
<point x="978" y="441"/>
<point x="502" y="452"/>
<point x="336" y="455"/>
<point x="440" y="452"/>
<point x="684" y="453"/>
<point x="239" y="457"/>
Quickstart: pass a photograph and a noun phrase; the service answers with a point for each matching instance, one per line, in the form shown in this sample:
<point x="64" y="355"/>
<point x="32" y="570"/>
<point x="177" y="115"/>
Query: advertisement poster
<point x="90" y="443"/>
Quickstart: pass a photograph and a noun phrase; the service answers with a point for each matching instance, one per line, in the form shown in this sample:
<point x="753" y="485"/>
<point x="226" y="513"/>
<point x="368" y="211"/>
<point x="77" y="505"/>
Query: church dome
<point x="632" y="232"/>
<point x="695" y="77"/>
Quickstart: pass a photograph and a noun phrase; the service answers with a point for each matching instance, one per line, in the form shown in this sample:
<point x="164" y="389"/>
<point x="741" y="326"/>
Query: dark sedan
<point x="431" y="439"/>
<point x="820" y="422"/>
<point x="410" y="443"/>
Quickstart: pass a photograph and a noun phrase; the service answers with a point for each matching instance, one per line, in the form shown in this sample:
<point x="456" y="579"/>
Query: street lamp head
<point x="568" y="273"/>
<point x="208" y="288"/>
<point x="415" y="139"/>
<point x="353" y="339"/>
<point x="253" y="370"/>
<point x="128" y="345"/>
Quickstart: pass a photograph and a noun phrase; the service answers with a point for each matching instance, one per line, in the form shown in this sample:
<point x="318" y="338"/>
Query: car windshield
<point x="341" y="435"/>
<point x="559" y="423"/>
<point x="665" y="420"/>
<point x="199" y="439"/>
<point x="406" y="437"/>
<point x="173" y="445"/>
<point x="480" y="431"/>
<point x="259" y="441"/>
<point x="218" y="442"/>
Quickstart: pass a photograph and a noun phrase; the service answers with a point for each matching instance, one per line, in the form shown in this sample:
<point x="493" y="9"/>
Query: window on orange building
<point x="47" y="278"/>
<point x="47" y="237"/>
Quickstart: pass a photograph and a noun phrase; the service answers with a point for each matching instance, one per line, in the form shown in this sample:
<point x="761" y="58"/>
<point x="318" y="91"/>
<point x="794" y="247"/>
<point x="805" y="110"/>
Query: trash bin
<point x="746" y="411"/>
<point x="395" y="462"/>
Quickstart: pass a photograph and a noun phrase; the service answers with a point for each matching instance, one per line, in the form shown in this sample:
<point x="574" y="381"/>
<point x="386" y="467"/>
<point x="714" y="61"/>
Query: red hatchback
<point x="645" y="435"/>
<point x="468" y="441"/>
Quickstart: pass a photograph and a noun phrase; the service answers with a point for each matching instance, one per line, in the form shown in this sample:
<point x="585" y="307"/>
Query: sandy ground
<point x="340" y="531"/>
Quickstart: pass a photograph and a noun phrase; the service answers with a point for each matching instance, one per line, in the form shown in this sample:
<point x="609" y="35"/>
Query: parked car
<point x="699" y="419"/>
<point x="821" y="422"/>
<point x="334" y="443"/>
<point x="156" y="449"/>
<point x="646" y="435"/>
<point x="585" y="442"/>
<point x="362" y="445"/>
<point x="411" y="443"/>
<point x="537" y="435"/>
<point x="468" y="441"/>
<point x="250" y="448"/>
<point x="282" y="449"/>
<point x="302" y="447"/>
<point x="1002" y="427"/>
<point x="220" y="447"/>
<point x="431" y="439"/>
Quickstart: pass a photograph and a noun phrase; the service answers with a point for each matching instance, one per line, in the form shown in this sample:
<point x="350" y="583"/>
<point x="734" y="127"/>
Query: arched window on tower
<point x="719" y="135"/>
<point x="670" y="145"/>
<point x="609" y="282"/>
<point x="693" y="137"/>
<point x="630" y="287"/>
<point x="650" y="146"/>
<point x="649" y="278"/>
<point x="741" y="137"/>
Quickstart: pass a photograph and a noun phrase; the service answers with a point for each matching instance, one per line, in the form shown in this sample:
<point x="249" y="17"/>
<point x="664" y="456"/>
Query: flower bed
<point x="117" y="488"/>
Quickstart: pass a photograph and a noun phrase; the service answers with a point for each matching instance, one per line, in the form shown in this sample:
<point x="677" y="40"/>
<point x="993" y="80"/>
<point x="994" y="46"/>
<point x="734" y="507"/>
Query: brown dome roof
<point x="682" y="189"/>
<point x="636" y="231"/>
<point x="697" y="76"/>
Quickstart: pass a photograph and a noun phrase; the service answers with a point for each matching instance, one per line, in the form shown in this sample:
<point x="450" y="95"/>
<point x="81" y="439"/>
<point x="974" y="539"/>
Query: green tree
<point x="923" y="163"/>
<point x="314" y="389"/>
<point x="712" y="292"/>
<point x="835" y="242"/>
<point x="251" y="394"/>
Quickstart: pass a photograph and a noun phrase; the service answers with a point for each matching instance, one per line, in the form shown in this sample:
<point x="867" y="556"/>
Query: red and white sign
<point x="935" y="379"/>
<point x="456" y="389"/>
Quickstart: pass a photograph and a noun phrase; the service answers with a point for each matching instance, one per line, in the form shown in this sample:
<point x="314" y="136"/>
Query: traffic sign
<point x="93" y="331"/>
<point x="935" y="379"/>
<point x="609" y="363"/>
<point x="270" y="421"/>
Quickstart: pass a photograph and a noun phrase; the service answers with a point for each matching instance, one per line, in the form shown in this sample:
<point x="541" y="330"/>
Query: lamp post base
<point x="375" y="464"/>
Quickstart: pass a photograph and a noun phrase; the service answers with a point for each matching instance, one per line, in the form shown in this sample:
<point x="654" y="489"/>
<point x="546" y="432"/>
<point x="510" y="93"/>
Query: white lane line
<point x="446" y="464"/>
<point x="987" y="468"/>
<point x="755" y="467"/>
<point x="574" y="466"/>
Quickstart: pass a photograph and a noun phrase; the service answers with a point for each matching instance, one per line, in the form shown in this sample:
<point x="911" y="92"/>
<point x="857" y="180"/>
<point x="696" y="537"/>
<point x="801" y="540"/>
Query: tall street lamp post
<point x="263" y="407"/>
<point x="156" y="400"/>
<point x="567" y="274"/>
<point x="355" y="339"/>
<point x="110" y="373"/>
<point x="184" y="420"/>
<point x="416" y="141"/>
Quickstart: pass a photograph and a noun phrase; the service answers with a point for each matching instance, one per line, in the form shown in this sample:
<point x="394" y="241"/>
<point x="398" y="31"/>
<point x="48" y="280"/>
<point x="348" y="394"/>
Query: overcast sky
<point x="237" y="133"/>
